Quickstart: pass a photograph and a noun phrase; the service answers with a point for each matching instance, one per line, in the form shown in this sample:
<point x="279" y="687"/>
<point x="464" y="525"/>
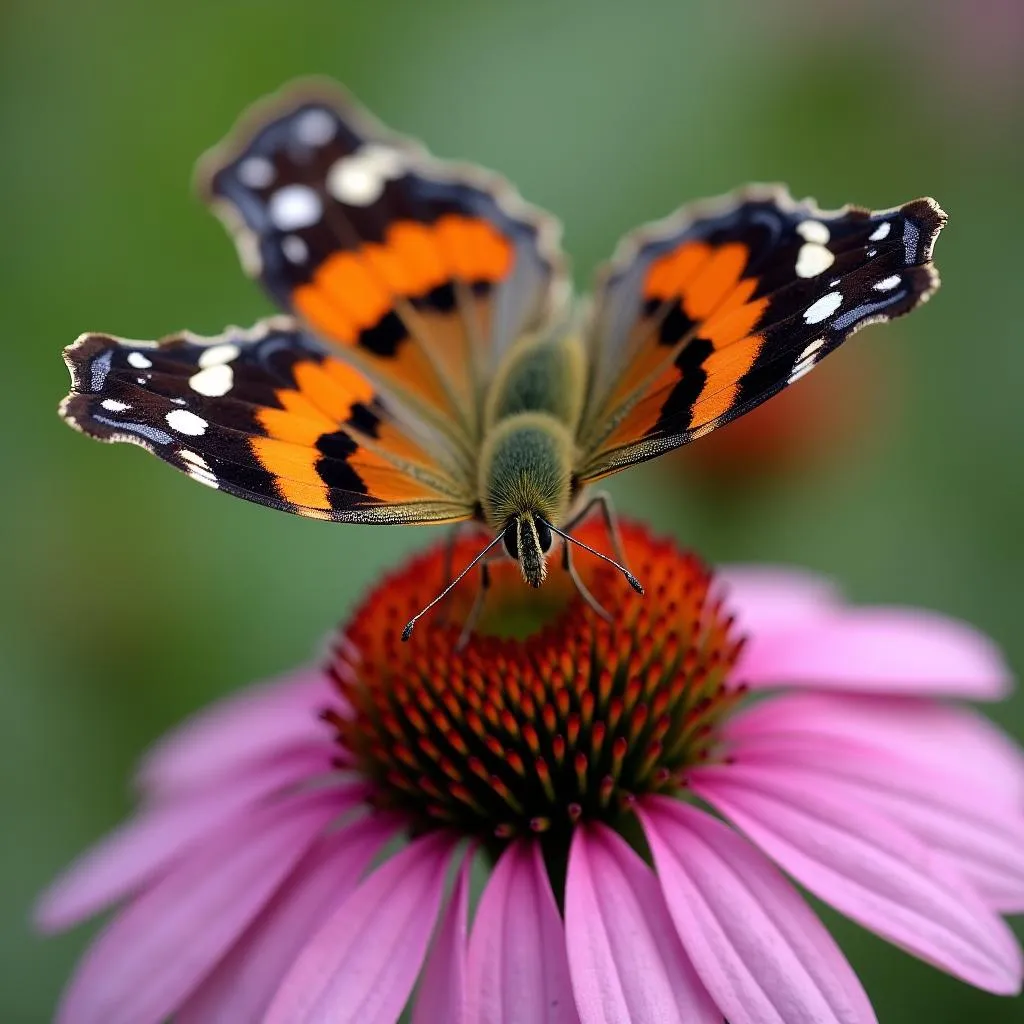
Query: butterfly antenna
<point x="630" y="578"/>
<point x="411" y="624"/>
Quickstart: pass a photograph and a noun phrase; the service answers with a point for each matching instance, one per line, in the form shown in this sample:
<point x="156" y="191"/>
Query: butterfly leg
<point x="448" y="562"/>
<point x="570" y="568"/>
<point x="449" y="555"/>
<point x="478" y="606"/>
<point x="601" y="500"/>
<point x="447" y="566"/>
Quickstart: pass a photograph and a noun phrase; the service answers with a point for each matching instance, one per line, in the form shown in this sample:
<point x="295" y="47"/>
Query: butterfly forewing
<point x="268" y="415"/>
<point x="702" y="317"/>
<point x="424" y="367"/>
<point x="423" y="272"/>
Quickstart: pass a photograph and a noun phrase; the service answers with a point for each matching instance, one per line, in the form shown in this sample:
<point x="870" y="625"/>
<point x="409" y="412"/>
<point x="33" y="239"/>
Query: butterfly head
<point x="528" y="539"/>
<point x="526" y="485"/>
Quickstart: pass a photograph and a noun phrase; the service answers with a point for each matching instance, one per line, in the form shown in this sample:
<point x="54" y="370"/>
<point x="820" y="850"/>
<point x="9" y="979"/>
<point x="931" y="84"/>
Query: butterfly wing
<point x="422" y="271"/>
<point x="269" y="415"/>
<point x="703" y="316"/>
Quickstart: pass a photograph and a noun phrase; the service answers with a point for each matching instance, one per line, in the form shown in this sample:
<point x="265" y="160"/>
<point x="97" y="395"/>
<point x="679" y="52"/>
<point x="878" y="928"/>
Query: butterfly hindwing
<point x="269" y="415"/>
<point x="424" y="271"/>
<point x="705" y="315"/>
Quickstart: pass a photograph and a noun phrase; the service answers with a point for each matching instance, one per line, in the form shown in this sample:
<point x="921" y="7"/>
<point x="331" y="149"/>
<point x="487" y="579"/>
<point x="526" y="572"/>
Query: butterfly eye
<point x="512" y="540"/>
<point x="543" y="534"/>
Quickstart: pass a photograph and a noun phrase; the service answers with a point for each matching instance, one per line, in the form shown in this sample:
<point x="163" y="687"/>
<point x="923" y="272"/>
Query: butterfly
<point x="430" y="366"/>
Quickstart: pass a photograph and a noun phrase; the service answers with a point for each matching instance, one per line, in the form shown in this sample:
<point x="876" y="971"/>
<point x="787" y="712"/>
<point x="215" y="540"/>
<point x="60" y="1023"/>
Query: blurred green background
<point x="131" y="596"/>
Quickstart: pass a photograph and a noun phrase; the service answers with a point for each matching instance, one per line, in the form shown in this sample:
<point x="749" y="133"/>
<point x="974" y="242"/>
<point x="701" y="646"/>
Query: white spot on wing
<point x="113" y="405"/>
<point x="214" y="381"/>
<point x="139" y="361"/>
<point x="204" y="476"/>
<point x="198" y="468"/>
<point x="813" y="259"/>
<point x="887" y="283"/>
<point x="194" y="457"/>
<point x="806" y="360"/>
<point x="216" y="354"/>
<point x="800" y="370"/>
<point x="823" y="308"/>
<point x="359" y="179"/>
<point x="294" y="206"/>
<point x="256" y="172"/>
<point x="813" y="231"/>
<point x="315" y="128"/>
<point x="185" y="422"/>
<point x="295" y="249"/>
<point x="881" y="231"/>
<point x="811" y="349"/>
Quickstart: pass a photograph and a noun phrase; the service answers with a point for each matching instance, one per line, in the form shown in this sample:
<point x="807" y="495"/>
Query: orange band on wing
<point x="724" y="369"/>
<point x="736" y="317"/>
<point x="348" y="378"/>
<point x="286" y="425"/>
<point x="352" y="291"/>
<point x="416" y="247"/>
<point x="332" y="387"/>
<point x="321" y="312"/>
<point x="475" y="249"/>
<point x="716" y="279"/>
<point x="294" y="469"/>
<point x="294" y="463"/>
<point x="352" y="285"/>
<point x="702" y="276"/>
<point x="670" y="274"/>
<point x="323" y="399"/>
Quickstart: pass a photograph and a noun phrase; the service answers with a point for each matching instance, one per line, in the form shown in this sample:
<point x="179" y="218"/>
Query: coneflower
<point x="630" y="790"/>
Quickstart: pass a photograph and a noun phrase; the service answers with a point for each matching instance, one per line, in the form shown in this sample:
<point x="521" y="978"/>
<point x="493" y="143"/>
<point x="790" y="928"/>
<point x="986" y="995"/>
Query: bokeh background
<point x="132" y="597"/>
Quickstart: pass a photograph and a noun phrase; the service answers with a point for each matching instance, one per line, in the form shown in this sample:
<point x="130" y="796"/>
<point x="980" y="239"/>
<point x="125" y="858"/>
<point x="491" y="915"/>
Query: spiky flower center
<point x="575" y="720"/>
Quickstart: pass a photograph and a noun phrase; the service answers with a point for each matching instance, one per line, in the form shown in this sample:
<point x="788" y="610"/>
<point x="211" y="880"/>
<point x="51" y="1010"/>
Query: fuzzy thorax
<point x="526" y="469"/>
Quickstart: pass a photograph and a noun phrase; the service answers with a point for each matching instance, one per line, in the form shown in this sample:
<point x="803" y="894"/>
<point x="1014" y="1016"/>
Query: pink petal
<point x="764" y="599"/>
<point x="890" y="651"/>
<point x="260" y="722"/>
<point x="625" y="958"/>
<point x="518" y="972"/>
<point x="442" y="994"/>
<point x="976" y="830"/>
<point x="362" y="964"/>
<point x="155" y="952"/>
<point x="949" y="739"/>
<point x="867" y="867"/>
<point x="761" y="953"/>
<point x="119" y="864"/>
<point x="987" y="851"/>
<point x="242" y="985"/>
